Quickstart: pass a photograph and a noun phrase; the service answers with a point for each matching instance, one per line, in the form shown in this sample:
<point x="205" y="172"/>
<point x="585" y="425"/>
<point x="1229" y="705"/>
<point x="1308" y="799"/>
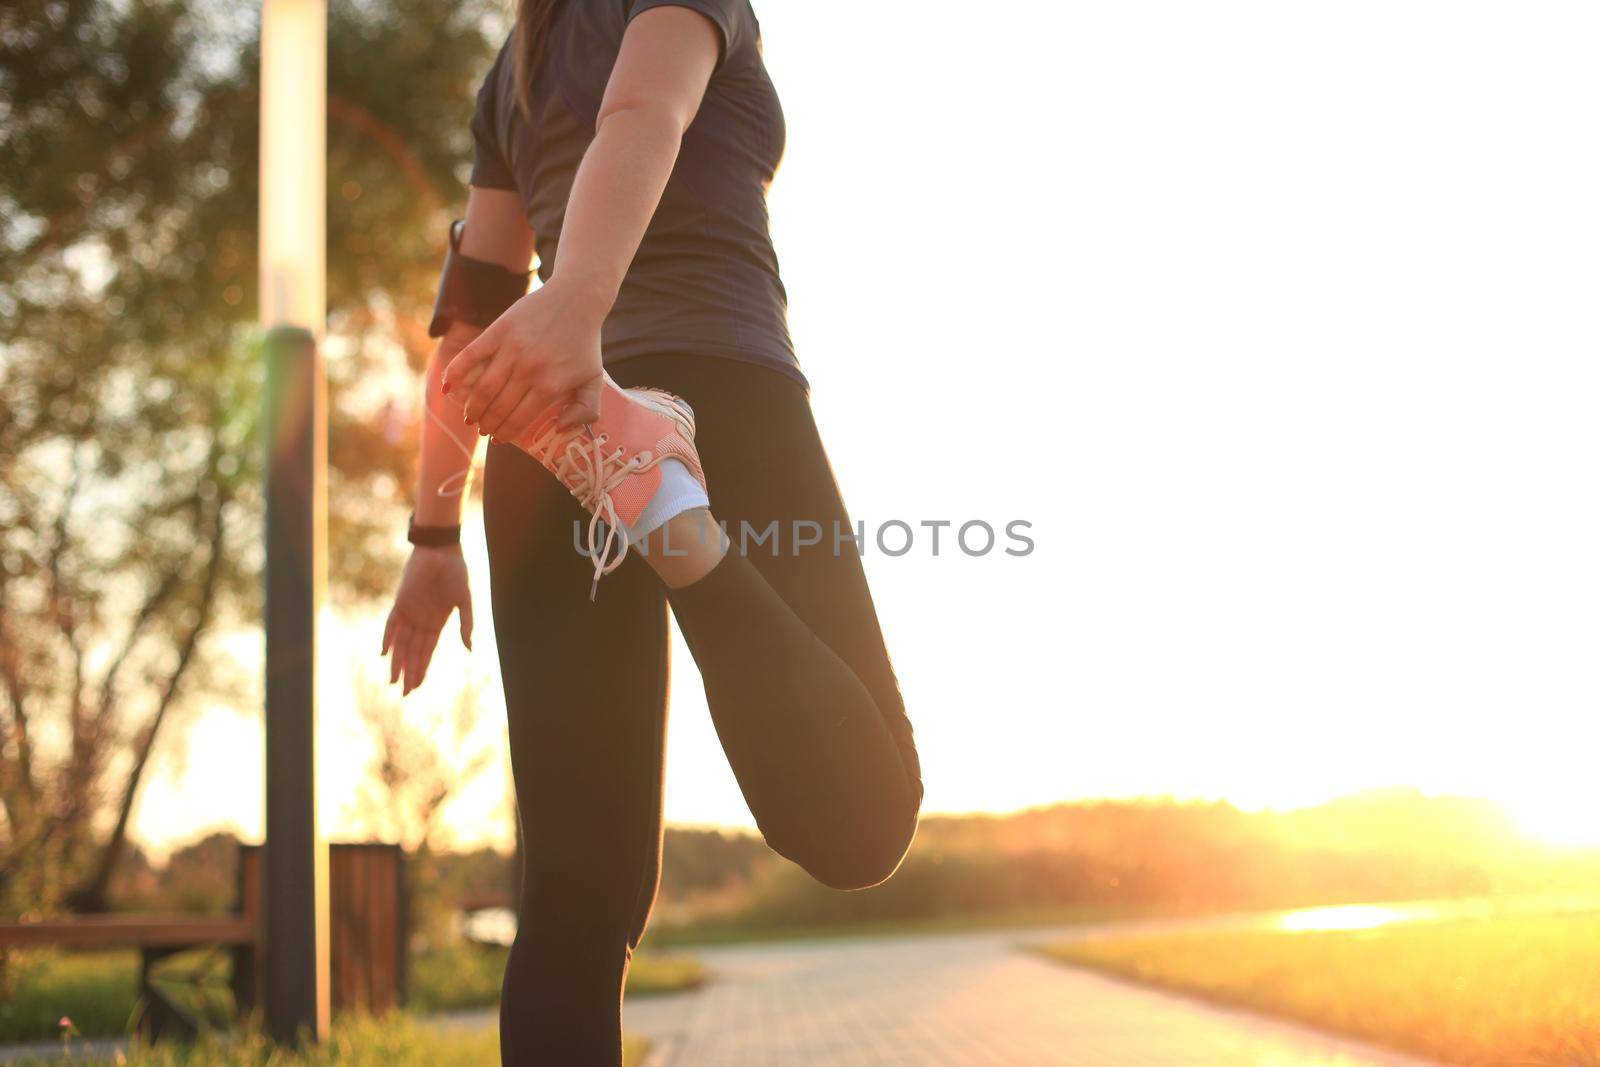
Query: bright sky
<point x="1281" y="325"/>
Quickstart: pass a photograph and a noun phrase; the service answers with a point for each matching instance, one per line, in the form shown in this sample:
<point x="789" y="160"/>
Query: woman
<point x="630" y="143"/>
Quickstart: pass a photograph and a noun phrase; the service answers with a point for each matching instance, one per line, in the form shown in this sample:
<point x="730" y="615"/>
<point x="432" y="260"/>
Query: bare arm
<point x="655" y="90"/>
<point x="546" y="349"/>
<point x="496" y="232"/>
<point x="434" y="582"/>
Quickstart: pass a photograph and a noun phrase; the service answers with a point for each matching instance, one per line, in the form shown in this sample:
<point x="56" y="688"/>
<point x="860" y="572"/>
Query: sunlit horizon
<point x="1282" y="554"/>
<point x="701" y="792"/>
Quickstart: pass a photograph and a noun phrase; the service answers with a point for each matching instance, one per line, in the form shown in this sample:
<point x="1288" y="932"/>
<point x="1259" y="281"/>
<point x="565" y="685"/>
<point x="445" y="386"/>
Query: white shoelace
<point x="590" y="474"/>
<point x="587" y="472"/>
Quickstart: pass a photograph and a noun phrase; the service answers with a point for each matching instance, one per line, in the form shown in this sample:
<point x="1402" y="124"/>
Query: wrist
<point x="442" y="536"/>
<point x="588" y="294"/>
<point x="438" y="511"/>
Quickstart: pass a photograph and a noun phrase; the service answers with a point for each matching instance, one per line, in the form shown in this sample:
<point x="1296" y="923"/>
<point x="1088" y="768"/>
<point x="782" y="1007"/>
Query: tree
<point x="420" y="763"/>
<point x="203" y="876"/>
<point x="130" y="507"/>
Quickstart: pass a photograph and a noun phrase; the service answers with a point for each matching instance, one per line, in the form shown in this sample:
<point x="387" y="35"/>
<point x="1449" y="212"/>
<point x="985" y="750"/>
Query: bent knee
<point x="861" y="857"/>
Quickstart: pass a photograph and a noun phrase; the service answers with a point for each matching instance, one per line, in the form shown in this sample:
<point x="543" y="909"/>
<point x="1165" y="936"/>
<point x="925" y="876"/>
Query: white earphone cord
<point x="456" y="484"/>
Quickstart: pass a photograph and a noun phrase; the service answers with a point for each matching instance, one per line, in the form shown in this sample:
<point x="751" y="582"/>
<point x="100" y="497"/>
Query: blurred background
<point x="1275" y="324"/>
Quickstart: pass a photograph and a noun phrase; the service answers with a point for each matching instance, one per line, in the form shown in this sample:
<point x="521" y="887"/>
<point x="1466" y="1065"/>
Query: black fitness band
<point x="471" y="290"/>
<point x="432" y="536"/>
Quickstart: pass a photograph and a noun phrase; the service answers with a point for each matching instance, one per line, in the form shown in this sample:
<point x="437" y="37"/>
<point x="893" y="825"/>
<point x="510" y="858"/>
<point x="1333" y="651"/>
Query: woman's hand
<point x="433" y="585"/>
<point x="543" y="352"/>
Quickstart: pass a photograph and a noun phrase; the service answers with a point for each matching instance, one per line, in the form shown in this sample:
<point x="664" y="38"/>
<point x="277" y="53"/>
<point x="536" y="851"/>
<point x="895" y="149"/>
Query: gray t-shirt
<point x="705" y="279"/>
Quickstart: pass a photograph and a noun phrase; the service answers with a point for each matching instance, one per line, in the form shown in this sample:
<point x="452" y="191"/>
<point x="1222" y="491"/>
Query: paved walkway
<point x="966" y="1000"/>
<point x="952" y="1000"/>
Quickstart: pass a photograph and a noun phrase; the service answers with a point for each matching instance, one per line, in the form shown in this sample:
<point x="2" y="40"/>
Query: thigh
<point x="765" y="464"/>
<point x="585" y="686"/>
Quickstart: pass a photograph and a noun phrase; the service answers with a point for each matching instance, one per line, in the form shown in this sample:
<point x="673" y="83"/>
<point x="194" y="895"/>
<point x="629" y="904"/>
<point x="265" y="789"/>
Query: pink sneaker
<point x="613" y="464"/>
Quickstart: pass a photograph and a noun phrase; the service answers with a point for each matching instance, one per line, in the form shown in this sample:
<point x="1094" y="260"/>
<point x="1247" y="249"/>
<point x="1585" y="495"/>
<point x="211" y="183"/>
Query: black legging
<point x="796" y="675"/>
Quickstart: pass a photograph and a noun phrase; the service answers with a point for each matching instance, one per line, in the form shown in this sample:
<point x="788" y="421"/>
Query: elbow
<point x="641" y="115"/>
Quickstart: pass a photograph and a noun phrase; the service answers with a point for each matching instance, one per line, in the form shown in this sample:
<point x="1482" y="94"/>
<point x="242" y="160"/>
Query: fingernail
<point x="446" y="388"/>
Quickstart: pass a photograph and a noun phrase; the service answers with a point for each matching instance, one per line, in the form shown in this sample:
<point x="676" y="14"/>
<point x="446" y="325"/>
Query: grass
<point x="468" y="976"/>
<point x="397" y="1040"/>
<point x="1508" y="990"/>
<point x="97" y="990"/>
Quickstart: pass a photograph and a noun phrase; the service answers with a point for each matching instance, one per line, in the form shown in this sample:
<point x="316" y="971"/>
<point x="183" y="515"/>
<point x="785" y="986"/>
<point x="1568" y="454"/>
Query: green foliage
<point x="455" y="977"/>
<point x="98" y="990"/>
<point x="357" y="1041"/>
<point x="1520" y="989"/>
<point x="468" y="976"/>
<point x="696" y="862"/>
<point x="650" y="974"/>
<point x="204" y="876"/>
<point x="396" y="1040"/>
<point x="467" y="880"/>
<point x="130" y="507"/>
<point x="1146" y="857"/>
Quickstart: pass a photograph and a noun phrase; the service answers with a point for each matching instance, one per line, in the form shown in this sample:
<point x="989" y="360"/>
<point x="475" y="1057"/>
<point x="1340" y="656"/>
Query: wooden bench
<point x="367" y="926"/>
<point x="367" y="935"/>
<point x="156" y="937"/>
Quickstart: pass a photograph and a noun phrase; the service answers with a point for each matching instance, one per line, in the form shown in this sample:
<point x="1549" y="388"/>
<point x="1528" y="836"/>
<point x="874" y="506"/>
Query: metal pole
<point x="296" y="890"/>
<point x="293" y="305"/>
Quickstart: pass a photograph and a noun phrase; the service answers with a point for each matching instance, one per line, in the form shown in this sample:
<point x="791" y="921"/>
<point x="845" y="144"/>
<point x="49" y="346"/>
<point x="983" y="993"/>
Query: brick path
<point x="967" y="1000"/>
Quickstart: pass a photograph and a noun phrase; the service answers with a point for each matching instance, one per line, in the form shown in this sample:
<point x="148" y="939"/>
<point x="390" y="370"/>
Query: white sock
<point x="678" y="492"/>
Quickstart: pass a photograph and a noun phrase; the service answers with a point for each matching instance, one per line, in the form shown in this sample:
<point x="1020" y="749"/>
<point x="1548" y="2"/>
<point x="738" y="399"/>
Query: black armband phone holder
<point x="472" y="291"/>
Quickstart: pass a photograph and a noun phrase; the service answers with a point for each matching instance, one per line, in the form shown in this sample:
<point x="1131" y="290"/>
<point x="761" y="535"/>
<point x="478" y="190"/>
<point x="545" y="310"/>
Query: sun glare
<point x="1342" y="917"/>
<point x="1563" y="821"/>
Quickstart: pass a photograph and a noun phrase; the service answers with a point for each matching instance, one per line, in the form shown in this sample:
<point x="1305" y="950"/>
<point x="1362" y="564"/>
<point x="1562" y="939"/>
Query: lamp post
<point x="293" y="306"/>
